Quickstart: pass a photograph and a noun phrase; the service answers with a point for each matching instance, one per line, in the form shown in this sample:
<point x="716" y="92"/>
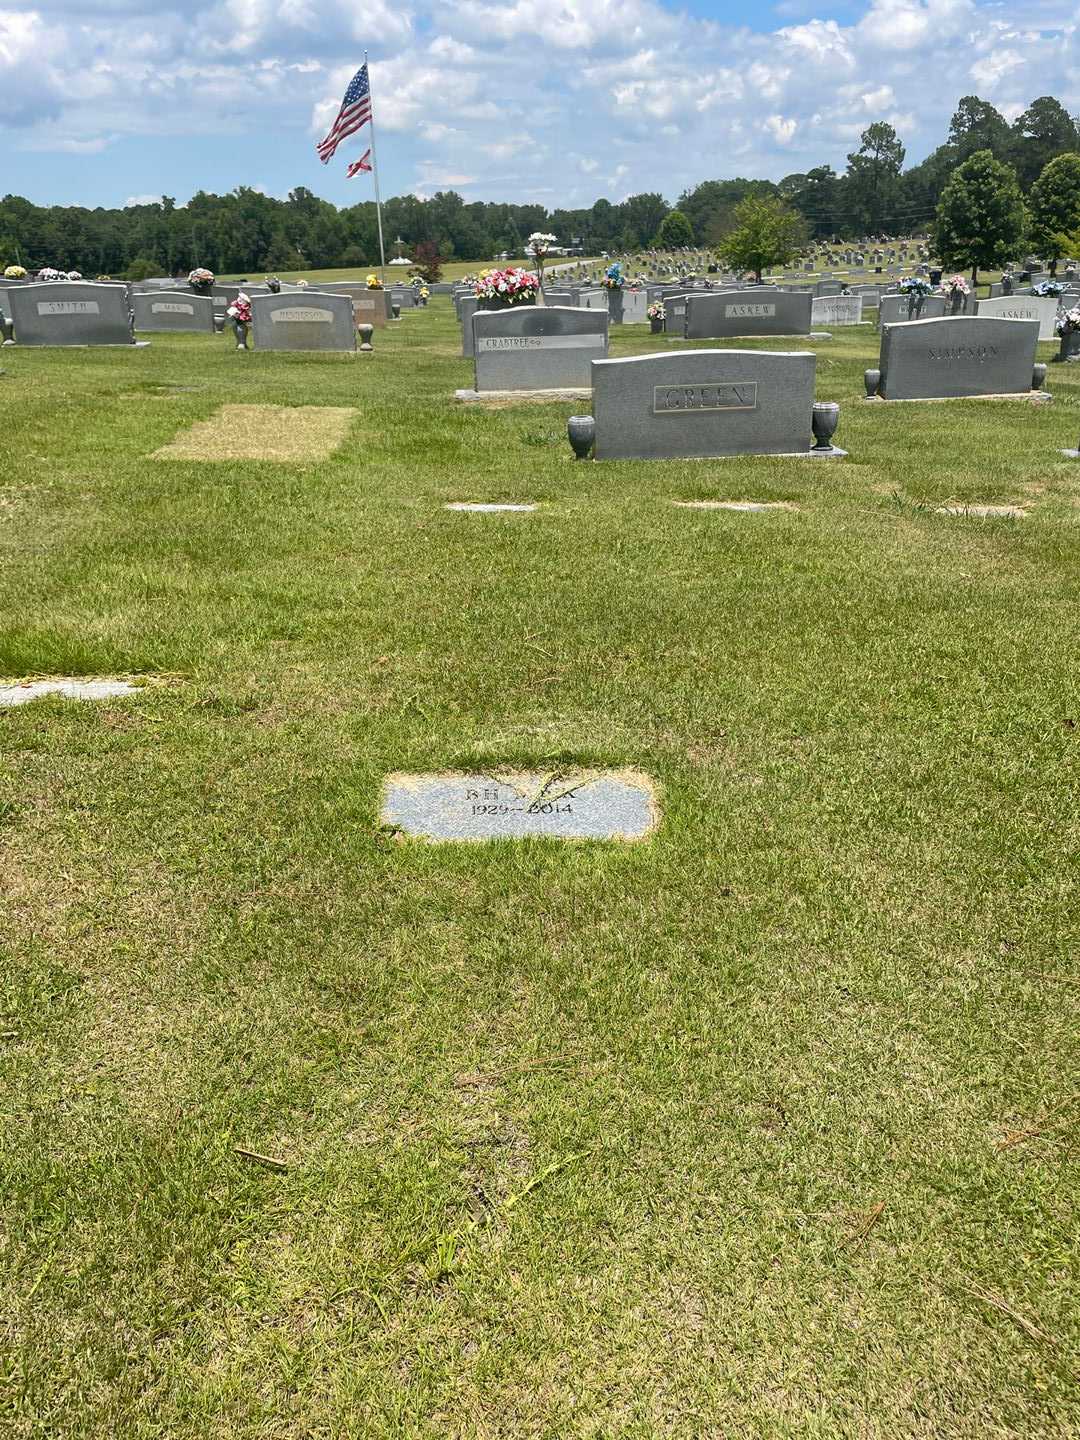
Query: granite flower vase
<point x="824" y="419"/>
<point x="1070" y="347"/>
<point x="240" y="329"/>
<point x="956" y="303"/>
<point x="656" y="326"/>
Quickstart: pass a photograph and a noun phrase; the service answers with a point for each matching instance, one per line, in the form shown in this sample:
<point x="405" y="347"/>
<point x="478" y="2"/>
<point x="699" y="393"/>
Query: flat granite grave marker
<point x="311" y="321"/>
<point x="517" y="805"/>
<point x="699" y="403"/>
<point x="546" y="347"/>
<point x="954" y="357"/>
<point x="485" y="507"/>
<point x="12" y="695"/>
<point x="167" y="310"/>
<point x="71" y="313"/>
<point x="748" y="312"/>
<point x="1042" y="308"/>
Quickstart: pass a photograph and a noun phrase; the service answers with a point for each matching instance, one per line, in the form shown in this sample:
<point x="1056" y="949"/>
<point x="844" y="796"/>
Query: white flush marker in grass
<point x="485" y="507"/>
<point x="735" y="505"/>
<point x="11" y="695"/>
<point x="515" y="805"/>
<point x="985" y="512"/>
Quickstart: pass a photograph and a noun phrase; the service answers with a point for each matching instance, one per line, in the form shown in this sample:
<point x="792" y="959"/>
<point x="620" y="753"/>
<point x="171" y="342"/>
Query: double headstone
<point x="311" y="321"/>
<point x="760" y="311"/>
<point x="696" y="403"/>
<point x="535" y="347"/>
<point x="173" y="310"/>
<point x="72" y="312"/>
<point x="1042" y="308"/>
<point x="955" y="356"/>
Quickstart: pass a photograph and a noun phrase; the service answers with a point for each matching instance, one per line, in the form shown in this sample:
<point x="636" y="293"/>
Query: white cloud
<point x="513" y="98"/>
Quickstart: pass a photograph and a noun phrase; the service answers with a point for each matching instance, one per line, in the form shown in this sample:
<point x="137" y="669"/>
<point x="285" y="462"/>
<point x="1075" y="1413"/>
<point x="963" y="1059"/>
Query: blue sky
<point x="557" y="101"/>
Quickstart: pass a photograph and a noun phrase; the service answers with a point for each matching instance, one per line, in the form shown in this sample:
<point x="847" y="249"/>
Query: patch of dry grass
<point x="291" y="434"/>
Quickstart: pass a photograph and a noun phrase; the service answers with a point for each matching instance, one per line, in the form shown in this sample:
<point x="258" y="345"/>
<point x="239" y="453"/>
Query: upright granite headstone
<point x="697" y="403"/>
<point x="1042" y="308"/>
<point x="71" y="312"/>
<point x="312" y="320"/>
<point x="173" y="310"/>
<point x="955" y="356"/>
<point x="760" y="311"/>
<point x="894" y="308"/>
<point x="538" y="347"/>
<point x="837" y="310"/>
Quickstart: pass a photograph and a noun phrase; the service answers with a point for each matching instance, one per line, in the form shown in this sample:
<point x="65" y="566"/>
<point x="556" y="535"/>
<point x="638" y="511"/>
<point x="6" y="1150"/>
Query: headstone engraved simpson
<point x="748" y="312"/>
<point x="71" y="313"/>
<point x="698" y="403"/>
<point x="538" y="347"/>
<point x="518" y="805"/>
<point x="837" y="310"/>
<point x="312" y="320"/>
<point x="169" y="310"/>
<point x="953" y="357"/>
<point x="1042" y="308"/>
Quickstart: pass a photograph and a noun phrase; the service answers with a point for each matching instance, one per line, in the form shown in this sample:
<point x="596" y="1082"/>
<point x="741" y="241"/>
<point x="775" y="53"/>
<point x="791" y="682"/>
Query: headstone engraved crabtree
<point x="760" y="311"/>
<point x="895" y="308"/>
<point x="168" y="310"/>
<point x="953" y="357"/>
<point x="709" y="403"/>
<point x="309" y="321"/>
<point x="71" y="313"/>
<point x="538" y="347"/>
<point x="837" y="310"/>
<point x="617" y="805"/>
<point x="1043" y="308"/>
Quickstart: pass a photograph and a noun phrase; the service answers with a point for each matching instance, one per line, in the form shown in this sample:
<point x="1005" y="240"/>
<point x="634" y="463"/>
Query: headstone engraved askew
<point x="164" y="310"/>
<point x="71" y="313"/>
<point x="311" y="321"/>
<point x="748" y="312"/>
<point x="699" y="403"/>
<point x="537" y="347"/>
<point x="954" y="357"/>
<point x="1024" y="307"/>
<point x="517" y="805"/>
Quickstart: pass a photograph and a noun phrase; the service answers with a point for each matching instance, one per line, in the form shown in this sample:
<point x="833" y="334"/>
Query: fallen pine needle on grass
<point x="267" y="1160"/>
<point x="989" y="1298"/>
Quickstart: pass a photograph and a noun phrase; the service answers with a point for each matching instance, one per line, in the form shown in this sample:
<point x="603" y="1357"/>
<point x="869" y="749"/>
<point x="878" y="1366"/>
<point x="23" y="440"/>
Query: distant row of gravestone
<point x="84" y="313"/>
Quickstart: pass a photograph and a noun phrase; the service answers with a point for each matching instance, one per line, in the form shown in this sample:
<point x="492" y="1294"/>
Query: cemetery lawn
<point x="763" y="1127"/>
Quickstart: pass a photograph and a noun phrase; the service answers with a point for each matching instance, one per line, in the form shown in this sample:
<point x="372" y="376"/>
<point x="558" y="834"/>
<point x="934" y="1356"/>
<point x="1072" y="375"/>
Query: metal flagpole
<point x="375" y="176"/>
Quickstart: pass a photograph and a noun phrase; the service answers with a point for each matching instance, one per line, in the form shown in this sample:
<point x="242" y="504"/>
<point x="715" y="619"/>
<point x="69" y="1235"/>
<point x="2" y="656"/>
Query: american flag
<point x="355" y="112"/>
<point x="358" y="166"/>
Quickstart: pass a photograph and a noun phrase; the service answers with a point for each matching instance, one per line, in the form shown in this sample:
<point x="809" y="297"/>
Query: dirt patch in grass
<point x="263" y="432"/>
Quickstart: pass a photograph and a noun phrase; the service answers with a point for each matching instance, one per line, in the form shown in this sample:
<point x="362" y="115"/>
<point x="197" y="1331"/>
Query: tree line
<point x="249" y="231"/>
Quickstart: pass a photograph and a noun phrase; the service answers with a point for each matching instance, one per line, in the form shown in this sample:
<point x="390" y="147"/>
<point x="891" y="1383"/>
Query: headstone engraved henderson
<point x="954" y="357"/>
<point x="311" y="321"/>
<point x="537" y="347"/>
<point x="704" y="403"/>
<point x="516" y="805"/>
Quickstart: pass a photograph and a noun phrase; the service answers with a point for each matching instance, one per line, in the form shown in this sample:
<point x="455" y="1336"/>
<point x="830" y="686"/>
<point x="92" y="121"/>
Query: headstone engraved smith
<point x="538" y="347"/>
<point x="516" y="805"/>
<point x="71" y="313"/>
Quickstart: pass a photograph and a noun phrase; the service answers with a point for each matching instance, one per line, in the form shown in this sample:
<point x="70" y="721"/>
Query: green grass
<point x="695" y="1138"/>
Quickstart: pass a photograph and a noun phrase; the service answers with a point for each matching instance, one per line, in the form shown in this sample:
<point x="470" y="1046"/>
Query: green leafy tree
<point x="980" y="217"/>
<point x="767" y="232"/>
<point x="977" y="125"/>
<point x="1044" y="131"/>
<point x="675" y="232"/>
<point x="873" y="177"/>
<point x="1055" y="208"/>
<point x="710" y="205"/>
<point x="818" y="196"/>
<point x="142" y="268"/>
